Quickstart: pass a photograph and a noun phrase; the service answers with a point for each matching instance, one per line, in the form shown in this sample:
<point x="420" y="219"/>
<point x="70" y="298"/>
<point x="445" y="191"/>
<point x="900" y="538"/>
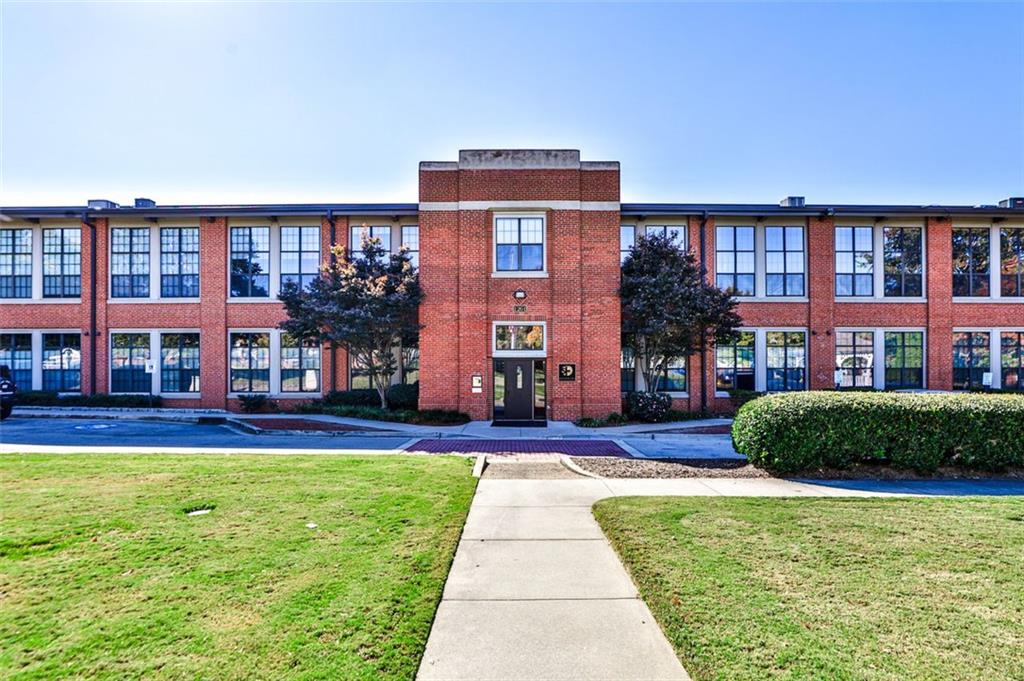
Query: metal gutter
<point x="811" y="210"/>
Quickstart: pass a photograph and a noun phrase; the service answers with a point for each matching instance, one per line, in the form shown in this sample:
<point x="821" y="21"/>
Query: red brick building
<point x="519" y="254"/>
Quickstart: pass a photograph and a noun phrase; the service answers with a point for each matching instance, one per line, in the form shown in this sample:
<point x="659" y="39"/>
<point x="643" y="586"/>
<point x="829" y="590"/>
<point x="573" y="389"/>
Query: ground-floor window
<point x="855" y="359"/>
<point x="1012" y="359"/>
<point x="734" y="363"/>
<point x="250" y="362"/>
<point x="408" y="370"/>
<point x="16" y="355"/>
<point x="410" y="365"/>
<point x="786" y="360"/>
<point x="518" y="337"/>
<point x="673" y="377"/>
<point x="971" y="359"/>
<point x="179" y="362"/>
<point x="904" y="360"/>
<point x="62" y="362"/>
<point x="627" y="370"/>
<point x="129" y="353"/>
<point x="300" y="364"/>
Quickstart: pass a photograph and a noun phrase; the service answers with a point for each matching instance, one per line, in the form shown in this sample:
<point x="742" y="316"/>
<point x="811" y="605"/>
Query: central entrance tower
<point x="519" y="263"/>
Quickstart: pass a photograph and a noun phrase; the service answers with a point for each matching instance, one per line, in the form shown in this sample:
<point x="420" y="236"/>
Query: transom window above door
<point x="526" y="339"/>
<point x="519" y="243"/>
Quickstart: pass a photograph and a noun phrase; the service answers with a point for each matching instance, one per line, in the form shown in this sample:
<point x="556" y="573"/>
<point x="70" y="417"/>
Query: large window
<point x="627" y="239"/>
<point x="673" y="378"/>
<point x="358" y="374"/>
<point x="515" y="337"/>
<point x="300" y="365"/>
<point x="62" y="362"/>
<point x="519" y="244"/>
<point x="971" y="359"/>
<point x="179" y="362"/>
<point x="971" y="262"/>
<point x="855" y="359"/>
<point x="129" y="262"/>
<point x="62" y="263"/>
<point x="855" y="261"/>
<point x="734" y="259"/>
<point x="786" y="360"/>
<point x="179" y="262"/>
<point x="359" y="232"/>
<point x="784" y="261"/>
<point x="129" y="353"/>
<point x="675" y="233"/>
<point x="16" y="355"/>
<point x="1012" y="359"/>
<point x="410" y="365"/>
<point x="627" y="370"/>
<point x="903" y="262"/>
<point x="734" y="364"/>
<point x="1011" y="261"/>
<point x="15" y="263"/>
<point x="411" y="242"/>
<point x="300" y="255"/>
<point x="250" y="262"/>
<point x="250" y="362"/>
<point x="904" y="360"/>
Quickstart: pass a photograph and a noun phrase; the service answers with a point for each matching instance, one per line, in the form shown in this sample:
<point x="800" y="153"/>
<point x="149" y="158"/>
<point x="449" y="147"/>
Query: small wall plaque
<point x="566" y="372"/>
<point x="519" y="309"/>
<point x="477" y="384"/>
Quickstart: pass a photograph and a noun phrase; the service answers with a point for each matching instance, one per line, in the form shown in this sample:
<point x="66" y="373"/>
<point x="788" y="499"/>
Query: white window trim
<point x="995" y="264"/>
<point x="519" y="274"/>
<point x="275" y="367"/>
<point x="274" y="286"/>
<point x="37" y="353"/>
<point x="499" y="354"/>
<point x="878" y="256"/>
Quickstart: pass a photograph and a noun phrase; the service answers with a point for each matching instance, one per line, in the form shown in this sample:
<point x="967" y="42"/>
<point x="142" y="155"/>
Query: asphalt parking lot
<point x="67" y="432"/>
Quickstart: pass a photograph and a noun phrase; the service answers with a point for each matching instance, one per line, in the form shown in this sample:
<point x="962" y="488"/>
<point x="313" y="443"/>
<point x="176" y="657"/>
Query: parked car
<point x="7" y="390"/>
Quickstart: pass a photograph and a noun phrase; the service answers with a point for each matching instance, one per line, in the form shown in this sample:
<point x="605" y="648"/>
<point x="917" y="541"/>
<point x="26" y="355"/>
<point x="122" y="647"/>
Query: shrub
<point x="613" y="419"/>
<point x="801" y="431"/>
<point x="365" y="397"/>
<point x="46" y="398"/>
<point x="435" y="417"/>
<point x="648" y="407"/>
<point x="404" y="396"/>
<point x="255" y="402"/>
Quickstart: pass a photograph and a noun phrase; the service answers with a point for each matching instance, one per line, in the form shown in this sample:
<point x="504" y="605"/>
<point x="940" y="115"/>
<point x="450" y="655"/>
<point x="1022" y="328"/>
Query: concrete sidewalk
<point x="537" y="592"/>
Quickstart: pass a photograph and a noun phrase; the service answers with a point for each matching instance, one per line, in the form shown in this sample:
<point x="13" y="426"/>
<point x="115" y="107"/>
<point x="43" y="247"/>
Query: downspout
<point x="92" y="302"/>
<point x="334" y="260"/>
<point x="703" y="344"/>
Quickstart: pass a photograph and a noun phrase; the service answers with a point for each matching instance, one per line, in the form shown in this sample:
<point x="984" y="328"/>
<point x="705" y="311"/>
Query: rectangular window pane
<point x="855" y="359"/>
<point x="62" y="263"/>
<point x="179" y="362"/>
<point x="734" y="364"/>
<point x="854" y="261"/>
<point x="16" y="355"/>
<point x="1011" y="357"/>
<point x="129" y="353"/>
<point x="411" y="242"/>
<point x="250" y="362"/>
<point x="1011" y="262"/>
<point x="519" y="244"/>
<point x="971" y="262"/>
<point x="902" y="258"/>
<point x="15" y="263"/>
<point x="971" y="359"/>
<point x="300" y="364"/>
<point x="784" y="260"/>
<point x="627" y="238"/>
<point x="734" y="256"/>
<point x="786" y="360"/>
<point x="129" y="257"/>
<point x="300" y="255"/>
<point x="62" y="362"/>
<point x="518" y="337"/>
<point x="250" y="262"/>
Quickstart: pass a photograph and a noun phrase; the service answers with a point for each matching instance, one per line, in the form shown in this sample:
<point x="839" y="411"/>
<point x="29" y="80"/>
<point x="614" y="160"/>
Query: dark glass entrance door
<point x="519" y="390"/>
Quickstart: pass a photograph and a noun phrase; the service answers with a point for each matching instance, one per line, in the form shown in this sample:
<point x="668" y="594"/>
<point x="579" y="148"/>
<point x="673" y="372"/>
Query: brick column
<point x="938" y="242"/>
<point x="474" y="329"/>
<point x="213" y="294"/>
<point x="821" y="310"/>
<point x="598" y="371"/>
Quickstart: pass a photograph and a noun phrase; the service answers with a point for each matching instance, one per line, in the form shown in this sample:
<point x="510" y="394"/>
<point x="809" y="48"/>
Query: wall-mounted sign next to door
<point x="477" y="384"/>
<point x="566" y="372"/>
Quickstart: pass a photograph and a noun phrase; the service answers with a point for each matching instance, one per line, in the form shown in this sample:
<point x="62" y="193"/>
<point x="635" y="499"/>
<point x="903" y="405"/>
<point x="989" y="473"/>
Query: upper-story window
<point x="1011" y="259"/>
<point x="129" y="262"/>
<point x="734" y="259"/>
<point x="62" y="262"/>
<point x="855" y="261"/>
<point x="300" y="255"/>
<point x="784" y="261"/>
<point x="15" y="263"/>
<point x="971" y="259"/>
<point x="360" y="232"/>
<point x="179" y="262"/>
<point x="250" y="262"/>
<point x="411" y="242"/>
<point x="627" y="239"/>
<point x="675" y="233"/>
<point x="519" y="244"/>
<point x="903" y="261"/>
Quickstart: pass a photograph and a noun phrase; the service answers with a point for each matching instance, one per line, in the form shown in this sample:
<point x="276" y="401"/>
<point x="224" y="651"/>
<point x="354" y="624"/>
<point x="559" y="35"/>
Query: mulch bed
<point x="600" y="448"/>
<point x="653" y="468"/>
<point x="305" y="424"/>
<point x="699" y="430"/>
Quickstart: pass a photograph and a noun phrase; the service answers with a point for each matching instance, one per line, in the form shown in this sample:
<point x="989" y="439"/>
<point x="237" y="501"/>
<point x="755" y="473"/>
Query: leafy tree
<point x="367" y="302"/>
<point x="669" y="310"/>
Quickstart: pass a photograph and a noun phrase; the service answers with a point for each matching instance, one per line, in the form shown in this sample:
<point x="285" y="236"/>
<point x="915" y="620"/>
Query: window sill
<point x="279" y="396"/>
<point x="42" y="301"/>
<point x="181" y="396"/>
<point x="258" y="301"/>
<point x="525" y="274"/>
<point x="675" y="395"/>
<point x="519" y="354"/>
<point x="772" y="299"/>
<point x="874" y="299"/>
<point x="150" y="301"/>
<point x="988" y="299"/>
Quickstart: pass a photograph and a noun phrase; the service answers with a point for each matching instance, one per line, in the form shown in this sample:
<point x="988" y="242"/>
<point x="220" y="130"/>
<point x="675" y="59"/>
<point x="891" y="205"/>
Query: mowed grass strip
<point x="830" y="588"/>
<point x="103" y="574"/>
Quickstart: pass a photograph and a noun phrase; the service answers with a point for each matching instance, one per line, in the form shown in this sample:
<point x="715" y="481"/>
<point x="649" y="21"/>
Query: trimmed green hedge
<point x="433" y="417"/>
<point x="46" y="398"/>
<point x="796" y="432"/>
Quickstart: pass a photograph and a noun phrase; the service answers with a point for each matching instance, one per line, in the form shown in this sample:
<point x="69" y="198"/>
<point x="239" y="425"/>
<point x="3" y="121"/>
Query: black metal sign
<point x="566" y="372"/>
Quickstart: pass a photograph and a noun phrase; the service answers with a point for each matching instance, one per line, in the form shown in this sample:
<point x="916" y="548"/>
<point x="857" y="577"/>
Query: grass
<point x="102" y="573"/>
<point x="830" y="588"/>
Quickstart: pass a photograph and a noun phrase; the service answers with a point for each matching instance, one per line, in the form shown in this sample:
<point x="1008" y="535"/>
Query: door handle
<point x="519" y="378"/>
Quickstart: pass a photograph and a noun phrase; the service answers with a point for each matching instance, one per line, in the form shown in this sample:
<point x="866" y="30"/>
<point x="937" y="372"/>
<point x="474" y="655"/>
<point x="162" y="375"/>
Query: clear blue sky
<point x="865" y="102"/>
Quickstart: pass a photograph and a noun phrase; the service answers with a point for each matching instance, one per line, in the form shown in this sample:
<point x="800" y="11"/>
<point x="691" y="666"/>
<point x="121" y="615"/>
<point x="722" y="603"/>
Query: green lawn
<point x="103" y="574"/>
<point x="830" y="588"/>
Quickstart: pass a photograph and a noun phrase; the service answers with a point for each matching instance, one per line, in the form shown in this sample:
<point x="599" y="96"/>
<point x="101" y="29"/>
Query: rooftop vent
<point x="792" y="202"/>
<point x="1012" y="202"/>
<point x="100" y="204"/>
<point x="145" y="203"/>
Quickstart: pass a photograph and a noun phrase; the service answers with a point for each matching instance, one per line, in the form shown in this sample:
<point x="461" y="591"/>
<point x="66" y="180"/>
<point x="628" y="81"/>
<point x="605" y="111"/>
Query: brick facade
<point x="575" y="297"/>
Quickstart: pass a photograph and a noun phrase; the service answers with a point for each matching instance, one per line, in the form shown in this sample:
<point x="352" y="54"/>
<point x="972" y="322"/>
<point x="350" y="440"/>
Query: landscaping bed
<point x="830" y="588"/>
<point x="307" y="425"/>
<point x="314" y="567"/>
<point x="608" y="467"/>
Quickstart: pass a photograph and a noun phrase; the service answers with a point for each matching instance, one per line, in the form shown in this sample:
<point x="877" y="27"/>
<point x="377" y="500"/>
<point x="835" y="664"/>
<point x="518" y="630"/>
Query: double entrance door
<point x="520" y="391"/>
